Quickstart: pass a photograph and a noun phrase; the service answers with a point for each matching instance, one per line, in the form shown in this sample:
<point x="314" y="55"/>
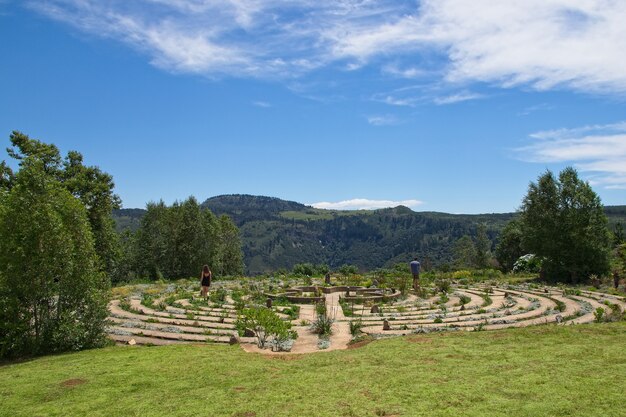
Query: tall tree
<point x="618" y="234"/>
<point x="152" y="241"/>
<point x="230" y="257"/>
<point x="563" y="222"/>
<point x="175" y="241"/>
<point x="464" y="252"/>
<point x="509" y="247"/>
<point x="52" y="295"/>
<point x="482" y="246"/>
<point x="93" y="187"/>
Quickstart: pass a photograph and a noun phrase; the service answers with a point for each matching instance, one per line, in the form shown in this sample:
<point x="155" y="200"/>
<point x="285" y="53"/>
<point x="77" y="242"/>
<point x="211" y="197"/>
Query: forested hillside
<point x="278" y="233"/>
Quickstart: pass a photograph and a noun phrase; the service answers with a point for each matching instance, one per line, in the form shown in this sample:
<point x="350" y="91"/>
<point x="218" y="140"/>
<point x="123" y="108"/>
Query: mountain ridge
<point x="278" y="233"/>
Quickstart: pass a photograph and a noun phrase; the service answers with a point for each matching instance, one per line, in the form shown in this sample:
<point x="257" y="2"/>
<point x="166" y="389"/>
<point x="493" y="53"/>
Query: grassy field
<point x="538" y="371"/>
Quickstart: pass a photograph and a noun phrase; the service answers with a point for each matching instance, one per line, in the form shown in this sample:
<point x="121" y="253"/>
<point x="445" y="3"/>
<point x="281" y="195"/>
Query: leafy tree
<point x="464" y="252"/>
<point x="482" y="246"/>
<point x="563" y="222"/>
<point x="6" y="176"/>
<point x="618" y="234"/>
<point x="304" y="269"/>
<point x="230" y="256"/>
<point x="52" y="295"/>
<point x="509" y="247"/>
<point x="322" y="269"/>
<point x="151" y="241"/>
<point x="346" y="270"/>
<point x="90" y="185"/>
<point x="175" y="242"/>
<point x="95" y="189"/>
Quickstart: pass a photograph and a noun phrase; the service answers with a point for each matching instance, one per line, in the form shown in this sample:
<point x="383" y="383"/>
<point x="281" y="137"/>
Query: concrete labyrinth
<point x="166" y="319"/>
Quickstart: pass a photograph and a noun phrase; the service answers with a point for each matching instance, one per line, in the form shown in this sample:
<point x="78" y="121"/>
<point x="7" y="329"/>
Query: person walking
<point x="415" y="270"/>
<point x="205" y="281"/>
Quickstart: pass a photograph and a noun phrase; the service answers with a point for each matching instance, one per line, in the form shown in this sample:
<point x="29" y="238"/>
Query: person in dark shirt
<point x="415" y="270"/>
<point x="205" y="281"/>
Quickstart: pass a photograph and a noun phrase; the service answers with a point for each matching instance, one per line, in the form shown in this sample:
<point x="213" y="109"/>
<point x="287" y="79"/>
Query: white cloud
<point x="263" y="104"/>
<point x="383" y="120"/>
<point x="532" y="109"/>
<point x="364" y="204"/>
<point x="544" y="44"/>
<point x="599" y="150"/>
<point x="457" y="98"/>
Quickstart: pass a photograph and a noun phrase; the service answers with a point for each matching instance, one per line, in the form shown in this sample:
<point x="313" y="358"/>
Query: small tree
<point x="266" y="324"/>
<point x="230" y="256"/>
<point x="52" y="296"/>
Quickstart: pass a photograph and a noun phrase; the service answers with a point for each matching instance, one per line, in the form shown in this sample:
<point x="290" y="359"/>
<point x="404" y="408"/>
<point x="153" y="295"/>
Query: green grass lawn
<point x="540" y="371"/>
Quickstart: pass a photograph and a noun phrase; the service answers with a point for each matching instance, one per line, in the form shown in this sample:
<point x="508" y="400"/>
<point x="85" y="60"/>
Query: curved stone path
<point x="485" y="308"/>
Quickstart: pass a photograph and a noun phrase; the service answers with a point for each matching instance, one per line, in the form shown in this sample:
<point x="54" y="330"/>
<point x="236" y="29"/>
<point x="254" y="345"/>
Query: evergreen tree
<point x="618" y="234"/>
<point x="152" y="241"/>
<point x="464" y="252"/>
<point x="563" y="222"/>
<point x="230" y="257"/>
<point x="482" y="247"/>
<point x="509" y="247"/>
<point x="52" y="295"/>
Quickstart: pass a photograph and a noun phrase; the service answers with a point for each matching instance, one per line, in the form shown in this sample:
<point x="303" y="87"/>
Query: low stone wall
<point x="363" y="294"/>
<point x="378" y="297"/>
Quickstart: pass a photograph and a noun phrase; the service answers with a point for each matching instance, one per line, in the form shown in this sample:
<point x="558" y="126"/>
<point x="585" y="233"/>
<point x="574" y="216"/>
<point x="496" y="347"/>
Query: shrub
<point x="346" y="270"/>
<point x="323" y="325"/>
<point x="292" y="312"/>
<point x="599" y="315"/>
<point x="355" y="327"/>
<point x="304" y="269"/>
<point x="464" y="299"/>
<point x="462" y="274"/>
<point x="266" y="324"/>
<point x="527" y="263"/>
<point x="442" y="285"/>
<point x="218" y="296"/>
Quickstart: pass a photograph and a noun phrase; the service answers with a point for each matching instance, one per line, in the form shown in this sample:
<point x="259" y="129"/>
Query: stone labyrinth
<point x="176" y="314"/>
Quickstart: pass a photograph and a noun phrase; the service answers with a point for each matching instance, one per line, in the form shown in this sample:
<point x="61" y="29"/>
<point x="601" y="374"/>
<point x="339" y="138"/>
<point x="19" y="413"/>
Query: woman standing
<point x="205" y="281"/>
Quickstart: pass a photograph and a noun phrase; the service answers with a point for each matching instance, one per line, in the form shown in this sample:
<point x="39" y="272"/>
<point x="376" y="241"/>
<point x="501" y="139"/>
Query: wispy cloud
<point x="263" y="104"/>
<point x="532" y="109"/>
<point x="383" y="120"/>
<point x="365" y="204"/>
<point x="599" y="150"/>
<point x="542" y="44"/>
<point x="457" y="98"/>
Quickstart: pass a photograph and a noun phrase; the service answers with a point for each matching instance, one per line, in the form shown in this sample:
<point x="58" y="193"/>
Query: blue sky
<point x="441" y="105"/>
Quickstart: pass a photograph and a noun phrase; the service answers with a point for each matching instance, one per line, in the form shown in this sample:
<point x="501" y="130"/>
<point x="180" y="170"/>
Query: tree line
<point x="176" y="241"/>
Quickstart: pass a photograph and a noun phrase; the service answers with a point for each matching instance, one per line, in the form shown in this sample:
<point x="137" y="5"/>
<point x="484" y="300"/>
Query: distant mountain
<point x="278" y="233"/>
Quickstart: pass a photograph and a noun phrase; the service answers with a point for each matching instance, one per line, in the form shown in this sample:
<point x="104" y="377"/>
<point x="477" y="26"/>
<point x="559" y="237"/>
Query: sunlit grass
<point x="539" y="371"/>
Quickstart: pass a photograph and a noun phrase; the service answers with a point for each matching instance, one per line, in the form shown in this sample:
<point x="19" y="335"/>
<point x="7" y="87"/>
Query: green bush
<point x="218" y="296"/>
<point x="266" y="324"/>
<point x="323" y="325"/>
<point x="527" y="263"/>
<point x="355" y="327"/>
